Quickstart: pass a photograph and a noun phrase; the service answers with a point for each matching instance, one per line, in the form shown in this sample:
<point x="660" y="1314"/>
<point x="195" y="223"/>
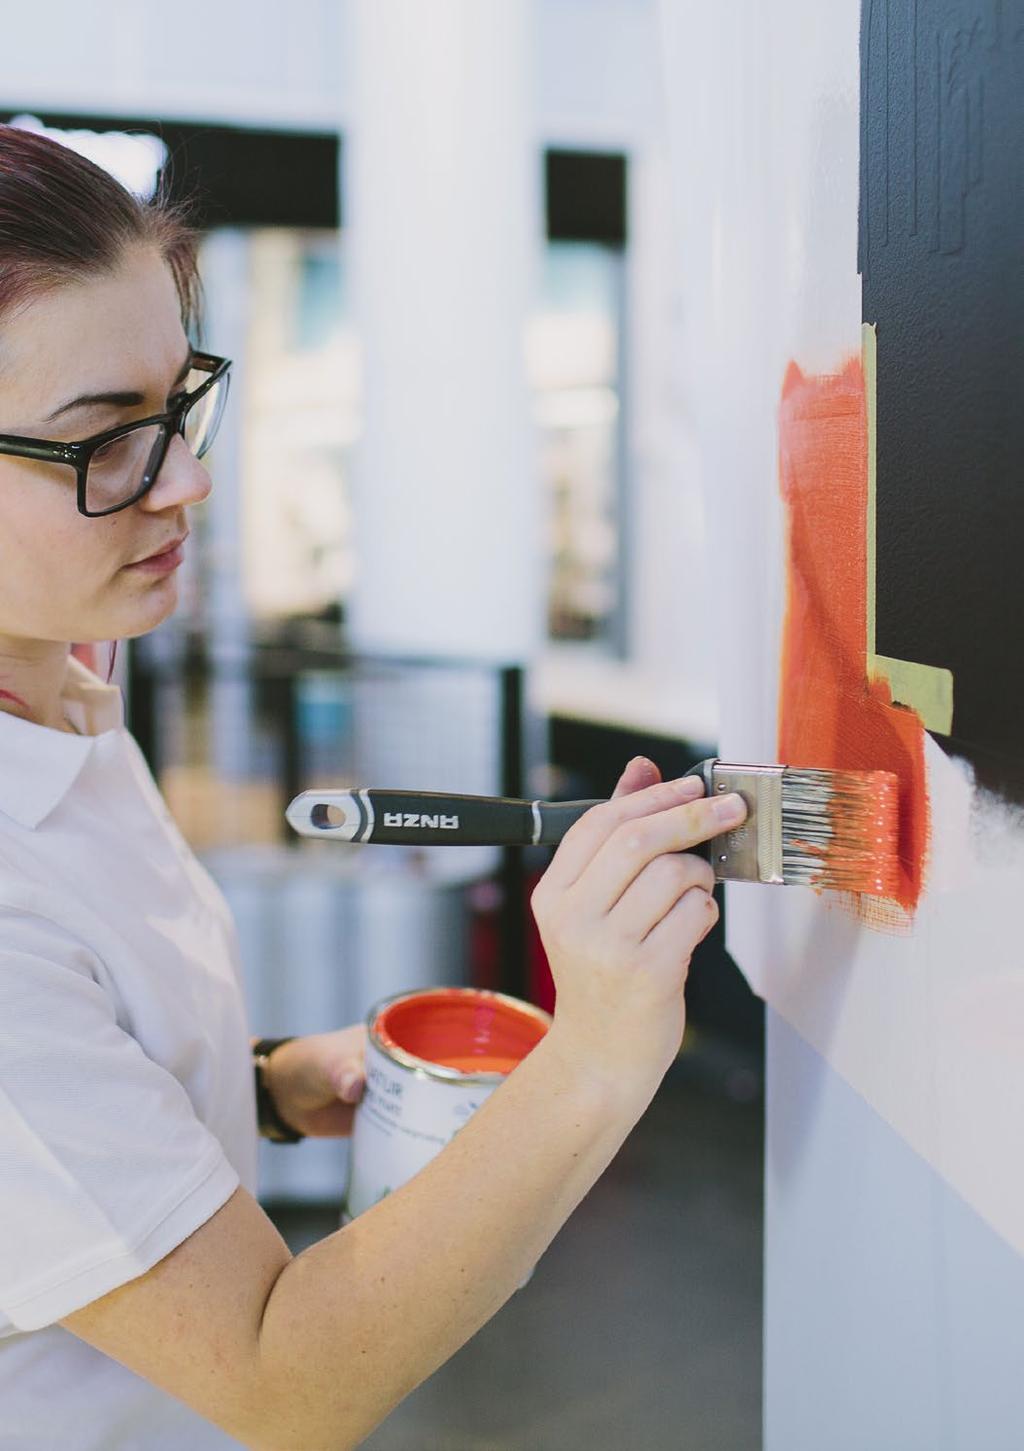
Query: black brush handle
<point x="439" y="818"/>
<point x="414" y="818"/>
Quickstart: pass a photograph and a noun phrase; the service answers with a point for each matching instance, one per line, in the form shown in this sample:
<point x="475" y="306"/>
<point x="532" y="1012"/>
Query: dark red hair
<point x="62" y="218"/>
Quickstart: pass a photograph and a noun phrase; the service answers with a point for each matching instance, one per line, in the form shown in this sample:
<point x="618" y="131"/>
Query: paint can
<point x="432" y="1058"/>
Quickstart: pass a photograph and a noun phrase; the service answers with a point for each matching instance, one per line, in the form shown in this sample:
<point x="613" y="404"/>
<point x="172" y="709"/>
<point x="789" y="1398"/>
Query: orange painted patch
<point x="830" y="716"/>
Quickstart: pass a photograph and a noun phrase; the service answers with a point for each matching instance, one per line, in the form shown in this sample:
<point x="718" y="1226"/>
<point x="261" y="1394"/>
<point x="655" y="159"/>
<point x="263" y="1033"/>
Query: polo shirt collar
<point x="38" y="766"/>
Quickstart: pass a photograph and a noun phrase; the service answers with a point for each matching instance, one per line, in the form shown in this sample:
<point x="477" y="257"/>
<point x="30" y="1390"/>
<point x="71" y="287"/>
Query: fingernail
<point x="729" y="809"/>
<point x="350" y="1082"/>
<point x="689" y="787"/>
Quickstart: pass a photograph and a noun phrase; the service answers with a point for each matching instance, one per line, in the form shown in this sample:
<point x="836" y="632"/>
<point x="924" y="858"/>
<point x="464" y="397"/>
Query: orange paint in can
<point x="467" y="1029"/>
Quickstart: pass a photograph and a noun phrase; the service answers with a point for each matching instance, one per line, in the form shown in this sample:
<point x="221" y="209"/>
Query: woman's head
<point x="96" y="292"/>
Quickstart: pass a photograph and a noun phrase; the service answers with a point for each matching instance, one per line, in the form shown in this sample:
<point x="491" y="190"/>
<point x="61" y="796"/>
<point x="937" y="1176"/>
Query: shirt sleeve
<point x="104" y="1165"/>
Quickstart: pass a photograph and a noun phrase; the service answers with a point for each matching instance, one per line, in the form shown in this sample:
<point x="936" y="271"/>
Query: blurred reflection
<point x="574" y="364"/>
<point x="298" y="415"/>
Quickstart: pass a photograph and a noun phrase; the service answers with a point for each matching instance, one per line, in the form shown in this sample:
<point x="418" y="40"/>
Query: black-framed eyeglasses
<point x="117" y="467"/>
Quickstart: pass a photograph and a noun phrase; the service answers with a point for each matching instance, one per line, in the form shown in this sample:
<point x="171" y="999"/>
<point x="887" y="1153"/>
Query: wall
<point x="895" y="1191"/>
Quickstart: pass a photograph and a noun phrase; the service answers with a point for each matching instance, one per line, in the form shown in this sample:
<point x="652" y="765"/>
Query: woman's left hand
<point x="316" y="1081"/>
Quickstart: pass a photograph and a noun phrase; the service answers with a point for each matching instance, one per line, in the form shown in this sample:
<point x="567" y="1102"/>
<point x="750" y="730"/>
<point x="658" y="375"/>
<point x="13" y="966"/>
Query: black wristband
<point x="270" y="1123"/>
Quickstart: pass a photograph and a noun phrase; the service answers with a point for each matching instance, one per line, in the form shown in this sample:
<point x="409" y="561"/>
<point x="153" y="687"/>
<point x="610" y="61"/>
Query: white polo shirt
<point x="127" y="1111"/>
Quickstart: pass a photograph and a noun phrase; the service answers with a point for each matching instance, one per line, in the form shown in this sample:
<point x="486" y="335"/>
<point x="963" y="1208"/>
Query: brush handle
<point x="436" y="818"/>
<point x="432" y="818"/>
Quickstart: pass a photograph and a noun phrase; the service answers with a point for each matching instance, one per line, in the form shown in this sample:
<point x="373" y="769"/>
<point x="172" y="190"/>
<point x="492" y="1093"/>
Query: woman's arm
<point x="409" y="1281"/>
<point x="311" y="1352"/>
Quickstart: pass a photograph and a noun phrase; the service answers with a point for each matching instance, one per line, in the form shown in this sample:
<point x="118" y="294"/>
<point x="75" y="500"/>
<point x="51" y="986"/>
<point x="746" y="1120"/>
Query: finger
<point x="625" y="854"/>
<point x="656" y="891"/>
<point x="639" y="773"/>
<point x="684" y="927"/>
<point x="586" y="836"/>
<point x="348" y="1079"/>
<point x="351" y="1085"/>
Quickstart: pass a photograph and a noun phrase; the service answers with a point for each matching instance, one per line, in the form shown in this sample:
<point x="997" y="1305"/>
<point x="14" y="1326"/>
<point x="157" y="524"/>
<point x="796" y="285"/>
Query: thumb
<point x="639" y="774"/>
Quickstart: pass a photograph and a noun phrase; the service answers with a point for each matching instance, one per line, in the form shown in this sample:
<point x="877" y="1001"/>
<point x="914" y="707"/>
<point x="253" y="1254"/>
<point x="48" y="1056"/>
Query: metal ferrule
<point x="751" y="852"/>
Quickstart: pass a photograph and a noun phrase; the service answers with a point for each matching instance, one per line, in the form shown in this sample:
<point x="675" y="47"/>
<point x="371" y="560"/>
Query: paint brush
<point x="835" y="829"/>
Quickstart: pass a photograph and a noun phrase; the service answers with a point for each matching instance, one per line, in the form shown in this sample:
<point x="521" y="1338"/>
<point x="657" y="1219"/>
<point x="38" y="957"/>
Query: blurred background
<point x="455" y="543"/>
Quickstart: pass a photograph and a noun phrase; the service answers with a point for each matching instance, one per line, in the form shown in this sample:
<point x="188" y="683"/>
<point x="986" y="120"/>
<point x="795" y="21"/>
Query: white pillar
<point x="442" y="223"/>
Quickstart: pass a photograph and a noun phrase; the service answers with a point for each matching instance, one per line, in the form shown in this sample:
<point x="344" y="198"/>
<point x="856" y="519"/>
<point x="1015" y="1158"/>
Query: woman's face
<point x="65" y="577"/>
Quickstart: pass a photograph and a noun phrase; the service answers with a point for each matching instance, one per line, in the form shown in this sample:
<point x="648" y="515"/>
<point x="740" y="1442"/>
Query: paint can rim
<point x="423" y="1067"/>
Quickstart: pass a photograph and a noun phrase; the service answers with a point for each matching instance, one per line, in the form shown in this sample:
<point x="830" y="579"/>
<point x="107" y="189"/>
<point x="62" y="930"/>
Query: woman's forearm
<point x="356" y="1321"/>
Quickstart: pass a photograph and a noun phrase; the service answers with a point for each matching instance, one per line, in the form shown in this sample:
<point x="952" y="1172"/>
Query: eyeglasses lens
<point x="123" y="468"/>
<point x="203" y="418"/>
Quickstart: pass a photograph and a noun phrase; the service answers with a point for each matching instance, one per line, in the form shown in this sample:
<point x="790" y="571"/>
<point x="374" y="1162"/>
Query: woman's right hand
<point x="620" y="910"/>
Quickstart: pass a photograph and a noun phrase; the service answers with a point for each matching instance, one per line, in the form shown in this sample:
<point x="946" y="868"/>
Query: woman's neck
<point x="31" y="680"/>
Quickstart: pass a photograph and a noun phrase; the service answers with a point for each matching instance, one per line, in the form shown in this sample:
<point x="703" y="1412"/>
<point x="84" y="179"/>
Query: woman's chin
<point x="147" y="610"/>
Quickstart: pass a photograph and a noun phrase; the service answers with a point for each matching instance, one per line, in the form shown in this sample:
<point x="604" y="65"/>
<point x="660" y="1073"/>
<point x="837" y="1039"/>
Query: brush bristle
<point x="840" y="830"/>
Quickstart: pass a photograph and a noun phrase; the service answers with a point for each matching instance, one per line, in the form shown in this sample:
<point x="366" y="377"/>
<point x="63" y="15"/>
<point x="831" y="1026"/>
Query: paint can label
<point x="402" y="1121"/>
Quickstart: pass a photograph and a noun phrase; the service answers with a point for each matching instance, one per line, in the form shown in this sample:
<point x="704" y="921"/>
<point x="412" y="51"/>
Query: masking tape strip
<point x="926" y="689"/>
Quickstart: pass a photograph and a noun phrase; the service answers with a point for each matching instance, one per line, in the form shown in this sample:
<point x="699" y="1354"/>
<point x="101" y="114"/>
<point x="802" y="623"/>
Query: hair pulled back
<point x="63" y="218"/>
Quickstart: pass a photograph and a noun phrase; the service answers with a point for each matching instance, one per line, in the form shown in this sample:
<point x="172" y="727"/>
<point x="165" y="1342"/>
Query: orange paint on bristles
<point x="864" y="817"/>
<point x="831" y="716"/>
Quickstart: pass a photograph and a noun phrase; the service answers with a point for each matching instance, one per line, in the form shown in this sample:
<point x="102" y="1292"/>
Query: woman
<point x="145" y="1298"/>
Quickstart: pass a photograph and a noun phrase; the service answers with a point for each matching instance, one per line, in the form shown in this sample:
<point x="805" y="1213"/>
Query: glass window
<point x="299" y="415"/>
<point x="575" y="370"/>
<point x="299" y="419"/>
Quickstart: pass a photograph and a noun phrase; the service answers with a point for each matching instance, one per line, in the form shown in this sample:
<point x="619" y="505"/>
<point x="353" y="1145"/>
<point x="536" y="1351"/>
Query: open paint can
<point x="432" y="1059"/>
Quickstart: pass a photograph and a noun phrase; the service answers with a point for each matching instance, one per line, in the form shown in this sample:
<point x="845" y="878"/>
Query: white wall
<point x="894" y="1235"/>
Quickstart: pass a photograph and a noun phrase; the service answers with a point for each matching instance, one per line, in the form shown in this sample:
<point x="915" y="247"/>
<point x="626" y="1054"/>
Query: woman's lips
<point x="161" y="563"/>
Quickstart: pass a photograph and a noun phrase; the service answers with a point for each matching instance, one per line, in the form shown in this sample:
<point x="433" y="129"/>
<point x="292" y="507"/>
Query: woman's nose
<point x="182" y="479"/>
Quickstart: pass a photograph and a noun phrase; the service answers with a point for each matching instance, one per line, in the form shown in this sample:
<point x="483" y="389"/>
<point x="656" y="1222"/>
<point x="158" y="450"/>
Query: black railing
<point x="273" y="670"/>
